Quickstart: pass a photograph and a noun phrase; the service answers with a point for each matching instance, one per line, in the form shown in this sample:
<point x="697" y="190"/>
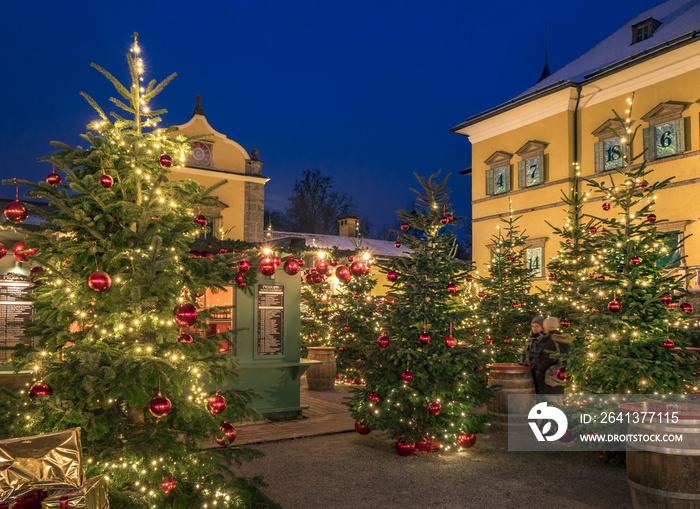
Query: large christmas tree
<point x="421" y="384"/>
<point x="506" y="306"/>
<point x="123" y="352"/>
<point x="568" y="281"/>
<point x="636" y="338"/>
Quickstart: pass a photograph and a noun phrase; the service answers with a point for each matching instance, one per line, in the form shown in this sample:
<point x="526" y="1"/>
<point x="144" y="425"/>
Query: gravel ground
<point x="348" y="470"/>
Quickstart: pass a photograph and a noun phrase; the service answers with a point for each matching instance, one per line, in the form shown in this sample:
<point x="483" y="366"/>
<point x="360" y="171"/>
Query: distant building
<point x="242" y="198"/>
<point x="524" y="151"/>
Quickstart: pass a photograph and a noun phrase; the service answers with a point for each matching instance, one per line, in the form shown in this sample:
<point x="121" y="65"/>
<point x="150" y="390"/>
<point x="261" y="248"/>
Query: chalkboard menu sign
<point x="12" y="310"/>
<point x="270" y="320"/>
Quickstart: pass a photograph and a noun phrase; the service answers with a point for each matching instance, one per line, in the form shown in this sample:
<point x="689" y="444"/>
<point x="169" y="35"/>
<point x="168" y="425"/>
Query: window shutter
<point x="648" y="137"/>
<point x="521" y="175"/>
<point x="599" y="153"/>
<point x="680" y="135"/>
<point x="489" y="182"/>
<point x="507" y="173"/>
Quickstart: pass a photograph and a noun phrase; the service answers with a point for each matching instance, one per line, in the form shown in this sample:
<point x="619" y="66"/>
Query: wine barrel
<point x="514" y="379"/>
<point x="321" y="377"/>
<point x="664" y="475"/>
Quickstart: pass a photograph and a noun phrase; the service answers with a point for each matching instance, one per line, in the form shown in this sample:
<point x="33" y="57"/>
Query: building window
<point x="498" y="176"/>
<point x="534" y="260"/>
<point x="665" y="135"/>
<point x="644" y="30"/>
<point x="673" y="258"/>
<point x="531" y="170"/>
<point x="610" y="152"/>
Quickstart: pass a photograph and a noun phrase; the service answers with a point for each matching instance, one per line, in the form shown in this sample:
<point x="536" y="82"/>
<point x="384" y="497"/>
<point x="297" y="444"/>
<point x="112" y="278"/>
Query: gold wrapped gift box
<point x="51" y="461"/>
<point x="91" y="496"/>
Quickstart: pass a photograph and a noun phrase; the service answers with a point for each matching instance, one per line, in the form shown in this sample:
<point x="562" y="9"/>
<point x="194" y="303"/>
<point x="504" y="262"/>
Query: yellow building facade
<point x="526" y="152"/>
<point x="240" y="215"/>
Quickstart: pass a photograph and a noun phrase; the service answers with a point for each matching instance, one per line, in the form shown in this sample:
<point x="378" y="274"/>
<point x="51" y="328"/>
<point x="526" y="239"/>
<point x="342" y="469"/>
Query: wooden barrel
<point x="321" y="377"/>
<point x="665" y="475"/>
<point x="514" y="379"/>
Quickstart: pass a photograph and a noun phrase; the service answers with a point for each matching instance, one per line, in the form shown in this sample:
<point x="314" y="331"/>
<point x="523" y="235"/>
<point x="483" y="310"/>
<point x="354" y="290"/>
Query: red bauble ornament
<point x="565" y="323"/>
<point x="466" y="440"/>
<point x="169" y="484"/>
<point x="666" y="298"/>
<point x="195" y="253"/>
<point x="424" y="338"/>
<point x="397" y="244"/>
<point x="593" y="229"/>
<point x="223" y="250"/>
<point x="506" y="287"/>
<point x="185" y="314"/>
<point x="343" y="274"/>
<point x="229" y="432"/>
<point x="686" y="307"/>
<point x="635" y="260"/>
<point x="452" y="288"/>
<point x="383" y="341"/>
<point x="606" y="206"/>
<point x="106" y="181"/>
<point x="561" y="375"/>
<point x="159" y="406"/>
<point x="21" y="252"/>
<point x="481" y="294"/>
<point x="16" y="212"/>
<point x="243" y="266"/>
<point x="489" y="341"/>
<point x="515" y="305"/>
<point x="33" y="273"/>
<point x="506" y="340"/>
<point x="216" y="403"/>
<point x="601" y="277"/>
<point x="668" y="344"/>
<point x="322" y="266"/>
<point x="434" y="408"/>
<point x="240" y="279"/>
<point x="40" y="389"/>
<point x="207" y="254"/>
<point x="651" y="218"/>
<point x="450" y="342"/>
<point x="291" y="267"/>
<point x="346" y="328"/>
<point x="358" y="268"/>
<point x="374" y="397"/>
<point x="404" y="449"/>
<point x="53" y="179"/>
<point x="185" y="338"/>
<point x="201" y="220"/>
<point x="552" y="277"/>
<point x="361" y="427"/>
<point x="614" y="306"/>
<point x="450" y="217"/>
<point x="267" y="267"/>
<point x="643" y="184"/>
<point x="405" y="226"/>
<point x="277" y="260"/>
<point x="99" y="281"/>
<point x="392" y="275"/>
<point x="165" y="161"/>
<point x="444" y="220"/>
<point x="406" y="376"/>
<point x="3" y="251"/>
<point x="334" y="263"/>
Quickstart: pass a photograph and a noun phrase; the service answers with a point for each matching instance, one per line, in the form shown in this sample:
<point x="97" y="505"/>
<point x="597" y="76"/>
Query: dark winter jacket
<point x="552" y="342"/>
<point x="533" y="350"/>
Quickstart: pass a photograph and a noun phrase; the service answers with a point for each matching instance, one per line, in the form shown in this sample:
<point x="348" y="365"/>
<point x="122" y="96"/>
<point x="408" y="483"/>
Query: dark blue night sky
<point x="364" y="91"/>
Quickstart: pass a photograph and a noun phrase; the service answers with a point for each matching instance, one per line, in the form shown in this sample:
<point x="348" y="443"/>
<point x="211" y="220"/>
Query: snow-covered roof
<point x="378" y="248"/>
<point x="679" y="25"/>
<point x="678" y="18"/>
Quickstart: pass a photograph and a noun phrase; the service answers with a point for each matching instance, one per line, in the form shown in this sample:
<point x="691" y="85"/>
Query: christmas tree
<point x="506" y="307"/>
<point x="316" y="305"/>
<point x="421" y="384"/>
<point x="355" y="318"/>
<point x="568" y="281"/>
<point x="122" y="349"/>
<point x="636" y="336"/>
